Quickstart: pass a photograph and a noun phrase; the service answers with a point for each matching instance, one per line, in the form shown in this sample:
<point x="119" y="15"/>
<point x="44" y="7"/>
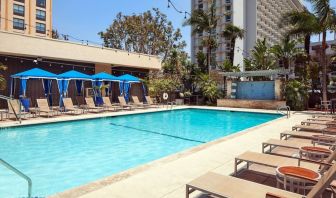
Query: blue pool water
<point x="64" y="155"/>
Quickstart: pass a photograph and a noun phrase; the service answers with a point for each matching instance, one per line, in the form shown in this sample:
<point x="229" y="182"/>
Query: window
<point x="41" y="15"/>
<point x="22" y="1"/>
<point x="18" y="10"/>
<point x="227" y="18"/>
<point x="40" y="28"/>
<point x="18" y="24"/>
<point x="41" y="3"/>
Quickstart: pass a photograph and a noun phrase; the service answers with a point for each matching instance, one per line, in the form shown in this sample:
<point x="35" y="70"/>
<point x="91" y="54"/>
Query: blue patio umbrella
<point x="126" y="83"/>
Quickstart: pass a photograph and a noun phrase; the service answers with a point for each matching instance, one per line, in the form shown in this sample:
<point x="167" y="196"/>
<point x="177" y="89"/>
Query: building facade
<point x="31" y="17"/>
<point x="259" y="18"/>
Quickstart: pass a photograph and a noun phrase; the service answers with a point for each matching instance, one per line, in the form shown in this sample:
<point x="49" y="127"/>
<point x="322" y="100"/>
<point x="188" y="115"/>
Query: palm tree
<point x="303" y="24"/>
<point x="327" y="20"/>
<point x="232" y="32"/>
<point x="2" y="78"/>
<point x="286" y="51"/>
<point x="205" y="21"/>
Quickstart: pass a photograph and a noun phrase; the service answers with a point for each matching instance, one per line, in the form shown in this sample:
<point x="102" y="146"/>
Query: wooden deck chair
<point x="43" y="107"/>
<point x="123" y="104"/>
<point x="275" y="161"/>
<point x="108" y="105"/>
<point x="69" y="107"/>
<point x="227" y="186"/>
<point x="14" y="108"/>
<point x="137" y="102"/>
<point x="91" y="105"/>
<point x="150" y="102"/>
<point x="273" y="143"/>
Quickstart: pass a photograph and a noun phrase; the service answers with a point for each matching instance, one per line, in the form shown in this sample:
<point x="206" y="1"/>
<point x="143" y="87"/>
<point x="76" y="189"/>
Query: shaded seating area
<point x="80" y="100"/>
<point x="301" y="165"/>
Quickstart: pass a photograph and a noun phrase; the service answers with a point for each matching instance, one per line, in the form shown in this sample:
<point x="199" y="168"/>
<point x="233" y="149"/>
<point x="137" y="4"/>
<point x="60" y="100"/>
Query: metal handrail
<point x="19" y="173"/>
<point x="287" y="108"/>
<point x="10" y="98"/>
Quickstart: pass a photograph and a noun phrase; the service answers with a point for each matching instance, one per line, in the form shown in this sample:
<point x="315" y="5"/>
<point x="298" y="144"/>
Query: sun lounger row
<point x="84" y="106"/>
<point x="316" y="155"/>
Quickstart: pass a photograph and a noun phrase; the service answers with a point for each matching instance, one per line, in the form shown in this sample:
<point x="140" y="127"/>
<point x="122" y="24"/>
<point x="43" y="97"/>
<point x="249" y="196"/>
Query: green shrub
<point x="296" y="95"/>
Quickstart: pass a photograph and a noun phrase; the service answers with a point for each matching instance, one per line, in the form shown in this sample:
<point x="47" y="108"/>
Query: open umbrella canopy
<point x="129" y="78"/>
<point x="74" y="75"/>
<point x="103" y="76"/>
<point x="35" y="73"/>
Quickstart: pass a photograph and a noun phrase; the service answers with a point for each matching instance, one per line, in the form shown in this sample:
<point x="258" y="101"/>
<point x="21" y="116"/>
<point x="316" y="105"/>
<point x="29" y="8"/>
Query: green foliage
<point x="158" y="85"/>
<point x="149" y="33"/>
<point x="261" y="57"/>
<point x="227" y="66"/>
<point x="286" y="51"/>
<point x="208" y="87"/>
<point x="296" y="95"/>
<point x="3" y="82"/>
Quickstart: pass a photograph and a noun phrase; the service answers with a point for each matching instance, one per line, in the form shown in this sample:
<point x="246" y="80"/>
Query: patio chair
<point x="319" y="122"/>
<point x="150" y="102"/>
<point x="26" y="104"/>
<point x="227" y="186"/>
<point x="317" y="128"/>
<point x="43" y="107"/>
<point x="14" y="108"/>
<point x="69" y="107"/>
<point x="108" y="105"/>
<point x="123" y="104"/>
<point x="275" y="161"/>
<point x="315" y="137"/>
<point x="91" y="105"/>
<point x="137" y="102"/>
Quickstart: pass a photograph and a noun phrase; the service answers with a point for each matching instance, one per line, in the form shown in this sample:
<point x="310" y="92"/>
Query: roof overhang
<point x="30" y="46"/>
<point x="256" y="73"/>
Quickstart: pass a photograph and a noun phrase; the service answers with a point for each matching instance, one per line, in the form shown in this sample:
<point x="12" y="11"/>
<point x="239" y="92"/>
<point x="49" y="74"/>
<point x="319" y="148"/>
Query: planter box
<point x="250" y="104"/>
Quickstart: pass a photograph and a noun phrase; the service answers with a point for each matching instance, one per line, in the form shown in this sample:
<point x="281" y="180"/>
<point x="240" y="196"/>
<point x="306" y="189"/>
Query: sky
<point x="83" y="19"/>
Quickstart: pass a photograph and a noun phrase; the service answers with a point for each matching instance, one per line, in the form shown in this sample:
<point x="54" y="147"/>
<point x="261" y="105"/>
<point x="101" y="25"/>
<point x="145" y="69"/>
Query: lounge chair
<point x="137" y="102"/>
<point x="69" y="107"/>
<point x="123" y="104"/>
<point x="43" y="107"/>
<point x="150" y="102"/>
<point x="91" y="105"/>
<point x="273" y="143"/>
<point x="108" y="105"/>
<point x="227" y="186"/>
<point x="315" y="137"/>
<point x="318" y="128"/>
<point x="319" y="122"/>
<point x="14" y="108"/>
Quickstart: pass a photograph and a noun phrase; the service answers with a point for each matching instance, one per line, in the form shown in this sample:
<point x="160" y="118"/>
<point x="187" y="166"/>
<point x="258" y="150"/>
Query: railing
<point x="284" y="110"/>
<point x="19" y="173"/>
<point x="18" y="116"/>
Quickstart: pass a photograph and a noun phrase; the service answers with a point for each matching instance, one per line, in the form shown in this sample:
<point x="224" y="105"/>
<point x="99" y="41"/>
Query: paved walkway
<point x="167" y="177"/>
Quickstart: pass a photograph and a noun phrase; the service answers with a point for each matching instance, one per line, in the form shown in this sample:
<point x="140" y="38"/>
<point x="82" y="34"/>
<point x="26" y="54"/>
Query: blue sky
<point x="85" y="18"/>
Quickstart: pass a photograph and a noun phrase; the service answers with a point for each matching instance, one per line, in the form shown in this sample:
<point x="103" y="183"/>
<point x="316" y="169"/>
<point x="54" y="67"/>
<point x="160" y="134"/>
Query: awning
<point x="74" y="75"/>
<point x="256" y="73"/>
<point x="103" y="76"/>
<point x="129" y="78"/>
<point x="35" y="73"/>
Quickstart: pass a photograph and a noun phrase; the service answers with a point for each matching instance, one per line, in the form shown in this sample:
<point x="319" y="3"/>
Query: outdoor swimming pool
<point x="64" y="155"/>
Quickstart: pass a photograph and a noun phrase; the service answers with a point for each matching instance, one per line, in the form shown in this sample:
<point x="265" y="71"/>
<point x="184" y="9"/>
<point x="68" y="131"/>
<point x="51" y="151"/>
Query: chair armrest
<point x="271" y="195"/>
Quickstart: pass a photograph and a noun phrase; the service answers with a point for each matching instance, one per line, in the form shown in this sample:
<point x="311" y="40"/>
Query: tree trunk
<point x="307" y="45"/>
<point x="233" y="43"/>
<point x="324" y="66"/>
<point x="209" y="54"/>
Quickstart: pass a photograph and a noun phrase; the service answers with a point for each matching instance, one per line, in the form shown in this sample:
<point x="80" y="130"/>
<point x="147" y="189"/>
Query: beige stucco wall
<point x="24" y="45"/>
<point x="278" y="91"/>
<point x="29" y="17"/>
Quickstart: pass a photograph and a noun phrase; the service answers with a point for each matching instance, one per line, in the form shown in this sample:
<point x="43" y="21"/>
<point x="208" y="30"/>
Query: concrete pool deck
<point x="167" y="177"/>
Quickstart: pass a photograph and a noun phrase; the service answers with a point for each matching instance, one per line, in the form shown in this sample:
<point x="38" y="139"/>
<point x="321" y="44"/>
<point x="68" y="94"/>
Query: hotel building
<point x="31" y="17"/>
<point x="259" y="18"/>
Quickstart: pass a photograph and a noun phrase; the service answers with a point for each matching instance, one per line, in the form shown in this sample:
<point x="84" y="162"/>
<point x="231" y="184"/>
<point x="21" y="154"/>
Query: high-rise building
<point x="32" y="17"/>
<point x="259" y="18"/>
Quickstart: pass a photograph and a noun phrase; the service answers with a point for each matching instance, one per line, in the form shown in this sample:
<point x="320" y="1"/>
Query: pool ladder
<point x="284" y="110"/>
<point x="19" y="173"/>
